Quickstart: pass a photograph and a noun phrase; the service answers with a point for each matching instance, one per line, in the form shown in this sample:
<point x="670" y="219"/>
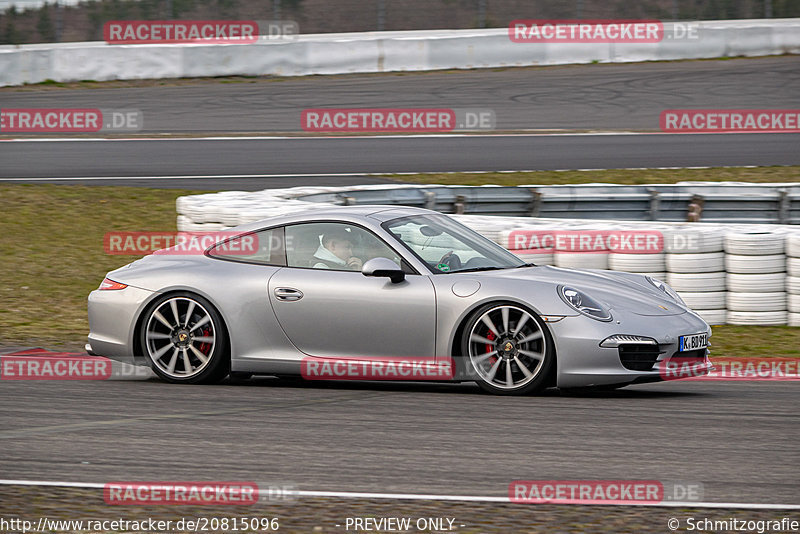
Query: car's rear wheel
<point x="508" y="350"/>
<point x="184" y="339"/>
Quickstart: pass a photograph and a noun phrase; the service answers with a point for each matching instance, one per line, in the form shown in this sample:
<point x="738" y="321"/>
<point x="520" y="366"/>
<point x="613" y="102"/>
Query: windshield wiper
<point x="474" y="269"/>
<point x="526" y="265"/>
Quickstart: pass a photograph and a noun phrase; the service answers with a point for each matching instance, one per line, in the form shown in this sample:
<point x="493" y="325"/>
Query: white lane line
<point x="384" y="136"/>
<point x="435" y="497"/>
<point x="306" y="137"/>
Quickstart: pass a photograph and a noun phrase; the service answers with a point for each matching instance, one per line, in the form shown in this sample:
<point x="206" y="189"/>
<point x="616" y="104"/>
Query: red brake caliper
<point x="489" y="348"/>
<point x="205" y="347"/>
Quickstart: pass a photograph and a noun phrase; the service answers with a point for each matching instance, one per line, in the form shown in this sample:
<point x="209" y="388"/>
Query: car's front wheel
<point x="184" y="339"/>
<point x="508" y="349"/>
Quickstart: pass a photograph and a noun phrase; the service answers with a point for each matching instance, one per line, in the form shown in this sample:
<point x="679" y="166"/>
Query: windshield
<point x="447" y="246"/>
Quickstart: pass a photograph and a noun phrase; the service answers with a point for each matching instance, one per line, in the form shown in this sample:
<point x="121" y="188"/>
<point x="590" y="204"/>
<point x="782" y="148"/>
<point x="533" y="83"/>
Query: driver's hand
<point x="355" y="263"/>
<point x="444" y="258"/>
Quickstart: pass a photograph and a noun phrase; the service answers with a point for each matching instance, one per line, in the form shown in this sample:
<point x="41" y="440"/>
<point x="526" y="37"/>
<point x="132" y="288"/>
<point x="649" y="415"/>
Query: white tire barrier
<point x="713" y="317"/>
<point x="581" y="261"/>
<point x="686" y="239"/>
<point x="794" y="319"/>
<point x="757" y="302"/>
<point x="660" y="275"/>
<point x="793" y="303"/>
<point x="754" y="243"/>
<point x="637" y="263"/>
<point x="758" y="318"/>
<point x="793" y="266"/>
<point x="756" y="283"/>
<point x="711" y="300"/>
<point x="697" y="281"/>
<point x="793" y="245"/>
<point x="755" y="264"/>
<point x="538" y="259"/>
<point x="517" y="239"/>
<point x="183" y="223"/>
<point x="793" y="285"/>
<point x="696" y="263"/>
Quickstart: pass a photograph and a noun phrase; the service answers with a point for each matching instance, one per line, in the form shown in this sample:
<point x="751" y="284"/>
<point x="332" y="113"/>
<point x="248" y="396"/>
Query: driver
<point x="336" y="252"/>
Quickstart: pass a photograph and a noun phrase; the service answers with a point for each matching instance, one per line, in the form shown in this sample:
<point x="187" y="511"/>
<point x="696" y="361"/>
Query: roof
<point x="347" y="213"/>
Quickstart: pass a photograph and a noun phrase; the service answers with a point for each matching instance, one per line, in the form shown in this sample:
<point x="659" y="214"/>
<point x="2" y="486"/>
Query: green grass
<point x="620" y="176"/>
<point x="753" y="341"/>
<point x="51" y="244"/>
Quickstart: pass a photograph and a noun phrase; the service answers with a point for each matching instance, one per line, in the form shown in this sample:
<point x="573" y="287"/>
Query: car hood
<point x="617" y="290"/>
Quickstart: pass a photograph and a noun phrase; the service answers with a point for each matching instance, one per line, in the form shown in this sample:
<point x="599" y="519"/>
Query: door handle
<point x="288" y="294"/>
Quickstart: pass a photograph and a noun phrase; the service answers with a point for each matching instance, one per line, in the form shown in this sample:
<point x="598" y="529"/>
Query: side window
<point x="263" y="247"/>
<point x="333" y="246"/>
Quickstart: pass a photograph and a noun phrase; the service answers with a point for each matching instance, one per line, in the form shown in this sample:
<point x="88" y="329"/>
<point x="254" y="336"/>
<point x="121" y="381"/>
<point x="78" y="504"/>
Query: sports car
<point x="361" y="283"/>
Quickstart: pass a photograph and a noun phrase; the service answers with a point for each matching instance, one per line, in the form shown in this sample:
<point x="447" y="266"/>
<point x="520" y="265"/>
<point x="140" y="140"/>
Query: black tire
<point x="474" y="365"/>
<point x="169" y="339"/>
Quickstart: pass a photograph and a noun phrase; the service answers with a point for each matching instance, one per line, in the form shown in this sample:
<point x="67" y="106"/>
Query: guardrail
<point x="718" y="202"/>
<point x="728" y="273"/>
<point x="379" y="52"/>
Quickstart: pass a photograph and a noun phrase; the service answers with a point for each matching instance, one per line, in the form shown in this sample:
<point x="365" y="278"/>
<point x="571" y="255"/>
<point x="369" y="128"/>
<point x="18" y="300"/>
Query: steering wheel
<point x="451" y="260"/>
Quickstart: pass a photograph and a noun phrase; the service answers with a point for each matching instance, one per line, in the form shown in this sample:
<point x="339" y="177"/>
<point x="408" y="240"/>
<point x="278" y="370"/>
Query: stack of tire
<point x="649" y="263"/>
<point x="570" y="258"/>
<point x="756" y="265"/>
<point x="695" y="264"/>
<point x="793" y="278"/>
<point x="489" y="226"/>
<point x="531" y="251"/>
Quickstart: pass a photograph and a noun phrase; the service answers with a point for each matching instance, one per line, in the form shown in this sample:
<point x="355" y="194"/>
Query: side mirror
<point x="384" y="268"/>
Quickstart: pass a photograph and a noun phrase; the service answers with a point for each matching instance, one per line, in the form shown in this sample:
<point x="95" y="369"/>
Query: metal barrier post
<point x="655" y="204"/>
<point x="536" y="202"/>
<point x="459" y="204"/>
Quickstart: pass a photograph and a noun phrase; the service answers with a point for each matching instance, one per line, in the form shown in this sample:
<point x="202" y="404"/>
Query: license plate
<point x="693" y="342"/>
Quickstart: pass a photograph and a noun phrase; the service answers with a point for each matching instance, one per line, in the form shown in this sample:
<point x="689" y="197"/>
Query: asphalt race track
<point x="330" y="156"/>
<point x="738" y="439"/>
<point x="571" y="97"/>
<point x="609" y="100"/>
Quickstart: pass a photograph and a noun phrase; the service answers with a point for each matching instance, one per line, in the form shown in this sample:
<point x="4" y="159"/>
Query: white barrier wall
<point x="727" y="273"/>
<point x="378" y="52"/>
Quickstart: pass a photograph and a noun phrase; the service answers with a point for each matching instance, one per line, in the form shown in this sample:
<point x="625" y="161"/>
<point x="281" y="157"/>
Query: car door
<point x="334" y="311"/>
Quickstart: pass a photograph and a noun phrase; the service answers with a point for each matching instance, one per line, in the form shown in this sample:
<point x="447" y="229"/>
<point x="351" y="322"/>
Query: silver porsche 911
<point x="388" y="283"/>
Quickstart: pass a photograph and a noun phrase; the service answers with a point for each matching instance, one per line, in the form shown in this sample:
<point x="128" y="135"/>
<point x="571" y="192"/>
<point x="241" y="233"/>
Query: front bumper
<point x="583" y="362"/>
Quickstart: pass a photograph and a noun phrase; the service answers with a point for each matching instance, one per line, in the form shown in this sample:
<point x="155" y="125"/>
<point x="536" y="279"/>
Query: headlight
<point x="584" y="303"/>
<point x="664" y="288"/>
